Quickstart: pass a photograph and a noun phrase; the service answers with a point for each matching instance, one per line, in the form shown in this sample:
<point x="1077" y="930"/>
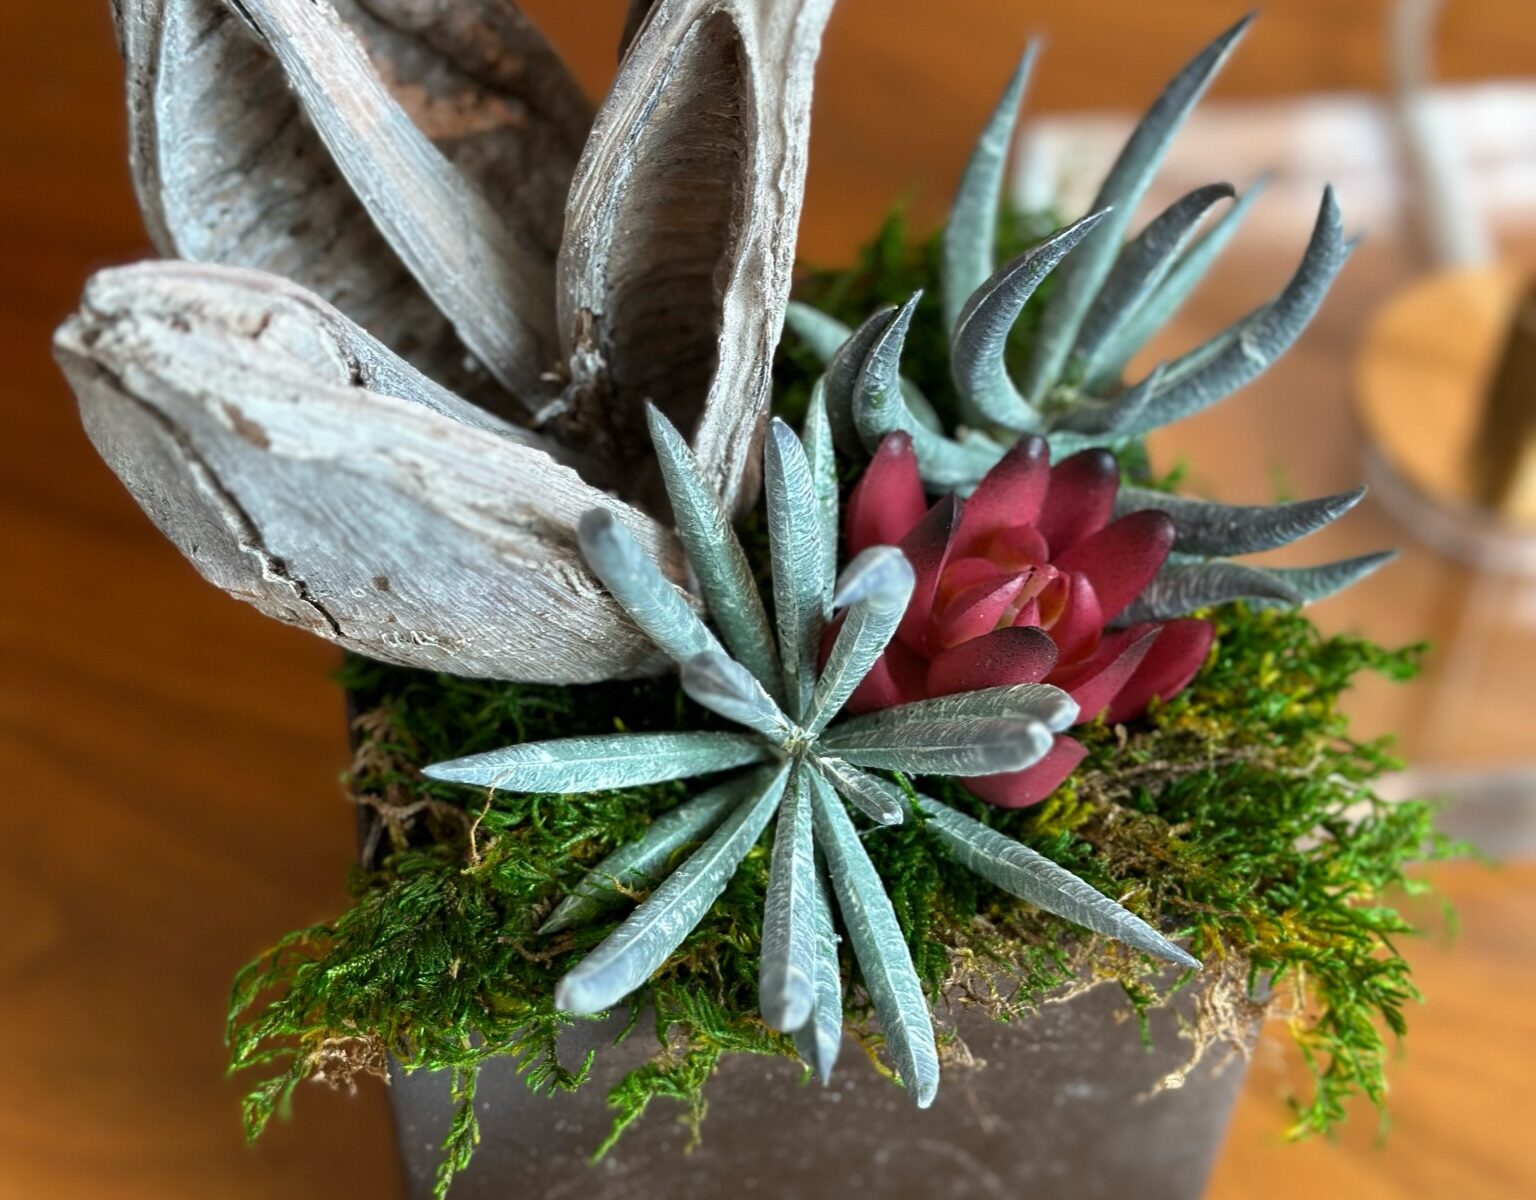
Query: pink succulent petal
<point x="1081" y="498"/>
<point x="997" y="659"/>
<point x="898" y="677"/>
<point x="1019" y="789"/>
<point x="961" y="574"/>
<point x="1077" y="618"/>
<point x="1101" y="677"/>
<point x="927" y="546"/>
<point x="1029" y="616"/>
<point x="888" y="499"/>
<point x="1010" y="494"/>
<point x="975" y="611"/>
<point x="1015" y="547"/>
<point x="1121" y="558"/>
<point x="1172" y="662"/>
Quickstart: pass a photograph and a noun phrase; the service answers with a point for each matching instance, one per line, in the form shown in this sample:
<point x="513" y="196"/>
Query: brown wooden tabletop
<point x="170" y="756"/>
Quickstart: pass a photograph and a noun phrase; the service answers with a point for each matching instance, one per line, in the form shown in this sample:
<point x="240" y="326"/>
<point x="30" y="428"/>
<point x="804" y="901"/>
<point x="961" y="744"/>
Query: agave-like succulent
<point x="1107" y="302"/>
<point x="529" y="275"/>
<point x="799" y="762"/>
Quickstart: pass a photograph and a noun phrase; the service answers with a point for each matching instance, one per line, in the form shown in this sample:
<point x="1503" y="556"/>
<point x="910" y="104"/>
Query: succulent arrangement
<point x="419" y="310"/>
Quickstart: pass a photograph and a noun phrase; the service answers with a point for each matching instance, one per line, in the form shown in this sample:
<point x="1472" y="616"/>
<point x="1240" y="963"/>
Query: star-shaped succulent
<point x="800" y="765"/>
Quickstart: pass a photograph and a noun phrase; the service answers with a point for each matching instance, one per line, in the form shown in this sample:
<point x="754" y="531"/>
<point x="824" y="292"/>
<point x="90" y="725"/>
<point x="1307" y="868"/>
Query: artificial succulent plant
<point x="467" y="487"/>
<point x="799" y="761"/>
<point x="1108" y="299"/>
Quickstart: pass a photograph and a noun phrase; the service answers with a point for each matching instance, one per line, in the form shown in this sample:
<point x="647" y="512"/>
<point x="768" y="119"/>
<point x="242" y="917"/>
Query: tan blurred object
<point x="1447" y="394"/>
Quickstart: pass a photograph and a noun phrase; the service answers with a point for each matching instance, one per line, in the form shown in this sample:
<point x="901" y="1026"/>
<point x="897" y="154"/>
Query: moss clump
<point x="1241" y="813"/>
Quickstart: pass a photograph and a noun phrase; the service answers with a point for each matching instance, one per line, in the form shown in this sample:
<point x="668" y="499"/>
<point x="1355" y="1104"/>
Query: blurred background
<point x="171" y="755"/>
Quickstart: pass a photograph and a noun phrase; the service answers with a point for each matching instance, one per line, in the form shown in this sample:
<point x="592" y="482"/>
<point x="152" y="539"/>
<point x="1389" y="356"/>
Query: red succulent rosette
<point x="1022" y="583"/>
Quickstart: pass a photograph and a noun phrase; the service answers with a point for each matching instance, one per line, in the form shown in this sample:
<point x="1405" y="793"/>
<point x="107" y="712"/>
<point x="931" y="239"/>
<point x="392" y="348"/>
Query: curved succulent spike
<point x="795" y="547"/>
<point x="1220" y="530"/>
<point x="1022" y="872"/>
<point x="1122" y="189"/>
<point x="652" y="601"/>
<point x="638" y="863"/>
<point x="876" y="585"/>
<point x="879" y="409"/>
<point x="1181" y="588"/>
<point x="1100" y="422"/>
<point x="819" y="1040"/>
<point x="971" y="231"/>
<point x="493" y="287"/>
<point x="878" y="800"/>
<point x="598" y="763"/>
<point x="816" y="436"/>
<point x="1263" y="336"/>
<point x="1318" y="583"/>
<point x="633" y="951"/>
<point x="842" y="379"/>
<point x="980" y="337"/>
<point x="942" y="746"/>
<point x="722" y="685"/>
<point x="880" y="948"/>
<point x="1141" y="268"/>
<point x="787" y="972"/>
<point x="715" y="553"/>
<point x="824" y="335"/>
<point x="1160" y="307"/>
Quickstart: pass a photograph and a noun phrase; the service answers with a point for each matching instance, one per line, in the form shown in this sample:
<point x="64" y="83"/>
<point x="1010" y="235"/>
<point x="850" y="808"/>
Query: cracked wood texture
<point x="175" y="750"/>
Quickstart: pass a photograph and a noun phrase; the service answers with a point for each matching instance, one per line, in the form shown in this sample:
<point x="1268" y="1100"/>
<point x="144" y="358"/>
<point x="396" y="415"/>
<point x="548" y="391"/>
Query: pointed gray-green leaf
<point x="1182" y="588"/>
<point x="722" y="685"/>
<point x="601" y="762"/>
<point x="787" y="972"/>
<point x="881" y="949"/>
<point x="637" y="948"/>
<point x="876" y="586"/>
<point x="1041" y="702"/>
<point x="643" y="861"/>
<point x="1318" y="583"/>
<point x="1017" y="869"/>
<point x="1262" y="337"/>
<point x="1219" y="530"/>
<point x="1140" y="269"/>
<point x="843" y="376"/>
<point x="822" y="456"/>
<point x="877" y="799"/>
<point x="795" y="547"/>
<point x="1164" y="304"/>
<point x="819" y="1040"/>
<point x="879" y="409"/>
<point x="1078" y="281"/>
<point x="970" y="235"/>
<point x="979" y="342"/>
<point x="943" y="745"/>
<point x="715" y="553"/>
<point x="652" y="601"/>
<point x="824" y="336"/>
<point x="1100" y="422"/>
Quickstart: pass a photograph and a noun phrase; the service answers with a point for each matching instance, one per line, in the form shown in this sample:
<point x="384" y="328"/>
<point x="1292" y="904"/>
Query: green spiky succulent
<point x="799" y="763"/>
<point x="1108" y="300"/>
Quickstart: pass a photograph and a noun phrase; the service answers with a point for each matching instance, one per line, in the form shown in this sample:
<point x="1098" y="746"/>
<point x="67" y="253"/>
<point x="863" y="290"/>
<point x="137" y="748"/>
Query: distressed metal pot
<point x="1061" y="1104"/>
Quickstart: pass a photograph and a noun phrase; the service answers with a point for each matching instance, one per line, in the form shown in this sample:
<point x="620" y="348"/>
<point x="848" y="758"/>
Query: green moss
<point x="1241" y="813"/>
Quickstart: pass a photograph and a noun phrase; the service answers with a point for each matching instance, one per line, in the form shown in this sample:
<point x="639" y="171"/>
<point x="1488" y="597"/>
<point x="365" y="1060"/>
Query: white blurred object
<point x="1351" y="141"/>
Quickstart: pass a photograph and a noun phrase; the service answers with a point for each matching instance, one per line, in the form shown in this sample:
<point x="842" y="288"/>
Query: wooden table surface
<point x="170" y="755"/>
